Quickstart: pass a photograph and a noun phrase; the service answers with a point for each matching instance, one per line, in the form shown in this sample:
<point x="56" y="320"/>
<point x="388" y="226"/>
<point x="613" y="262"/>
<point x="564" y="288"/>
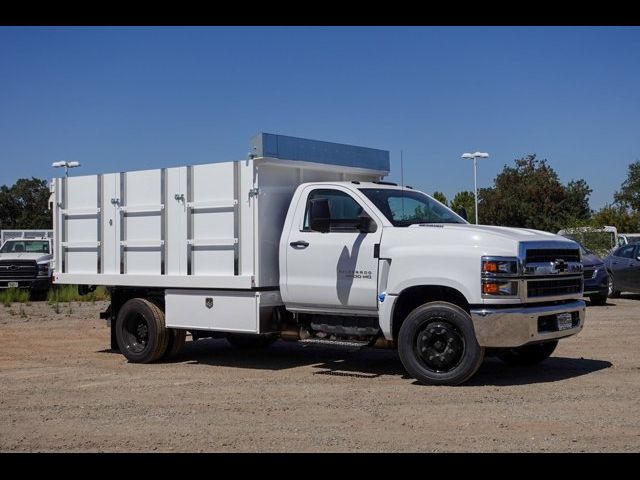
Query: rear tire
<point x="438" y="346"/>
<point x="613" y="293"/>
<point x="528" y="355"/>
<point x="141" y="332"/>
<point x="177" y="340"/>
<point x="248" y="341"/>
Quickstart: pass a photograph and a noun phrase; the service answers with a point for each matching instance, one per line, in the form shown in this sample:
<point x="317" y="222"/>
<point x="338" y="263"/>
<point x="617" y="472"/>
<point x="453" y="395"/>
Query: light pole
<point x="475" y="174"/>
<point x="66" y="165"/>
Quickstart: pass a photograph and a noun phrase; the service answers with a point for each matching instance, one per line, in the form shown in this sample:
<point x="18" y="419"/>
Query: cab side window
<point x="626" y="251"/>
<point x="345" y="211"/>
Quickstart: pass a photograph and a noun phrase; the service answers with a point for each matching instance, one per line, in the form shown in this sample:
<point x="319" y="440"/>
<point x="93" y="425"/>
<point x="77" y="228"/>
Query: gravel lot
<point x="62" y="389"/>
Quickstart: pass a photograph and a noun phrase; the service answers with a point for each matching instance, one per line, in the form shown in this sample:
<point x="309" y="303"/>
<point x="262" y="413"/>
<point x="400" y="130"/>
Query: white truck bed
<point x="213" y="225"/>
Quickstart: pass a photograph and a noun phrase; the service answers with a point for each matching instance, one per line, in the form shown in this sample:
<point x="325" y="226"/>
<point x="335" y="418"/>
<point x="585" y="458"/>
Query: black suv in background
<point x="596" y="279"/>
<point x="623" y="266"/>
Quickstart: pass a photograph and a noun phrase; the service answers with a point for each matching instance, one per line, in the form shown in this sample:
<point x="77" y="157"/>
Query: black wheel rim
<point x="439" y="346"/>
<point x="136" y="333"/>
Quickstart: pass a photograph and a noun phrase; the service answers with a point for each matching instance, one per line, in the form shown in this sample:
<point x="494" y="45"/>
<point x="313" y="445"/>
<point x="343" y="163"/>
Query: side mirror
<point x="319" y="215"/>
<point x="367" y="225"/>
<point x="463" y="213"/>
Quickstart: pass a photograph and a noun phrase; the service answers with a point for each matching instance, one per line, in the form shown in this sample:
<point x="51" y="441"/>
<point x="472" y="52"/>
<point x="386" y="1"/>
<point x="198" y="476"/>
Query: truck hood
<point x="38" y="257"/>
<point x="483" y="239"/>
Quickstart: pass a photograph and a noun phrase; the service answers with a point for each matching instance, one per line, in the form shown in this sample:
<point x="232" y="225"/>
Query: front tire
<point x="38" y="295"/>
<point x="612" y="292"/>
<point x="141" y="332"/>
<point x="598" y="300"/>
<point x="528" y="355"/>
<point x="438" y="346"/>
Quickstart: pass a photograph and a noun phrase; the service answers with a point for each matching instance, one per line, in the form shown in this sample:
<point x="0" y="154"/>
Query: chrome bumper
<point x="513" y="327"/>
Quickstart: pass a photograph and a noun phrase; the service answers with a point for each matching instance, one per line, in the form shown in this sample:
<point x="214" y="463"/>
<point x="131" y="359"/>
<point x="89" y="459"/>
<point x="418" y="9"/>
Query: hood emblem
<point x="559" y="266"/>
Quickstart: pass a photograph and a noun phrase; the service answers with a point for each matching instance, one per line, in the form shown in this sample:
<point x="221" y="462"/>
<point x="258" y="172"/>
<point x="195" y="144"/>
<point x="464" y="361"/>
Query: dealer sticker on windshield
<point x="565" y="321"/>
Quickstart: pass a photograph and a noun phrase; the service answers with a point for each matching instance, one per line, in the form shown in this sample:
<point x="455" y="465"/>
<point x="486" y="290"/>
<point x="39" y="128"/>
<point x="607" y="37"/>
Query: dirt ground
<point x="62" y="389"/>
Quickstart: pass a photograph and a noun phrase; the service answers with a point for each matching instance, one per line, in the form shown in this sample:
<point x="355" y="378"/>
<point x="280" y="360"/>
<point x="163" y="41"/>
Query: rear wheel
<point x="612" y="292"/>
<point x="141" y="332"/>
<point x="177" y="340"/>
<point x="438" y="346"/>
<point x="241" y="340"/>
<point x="528" y="354"/>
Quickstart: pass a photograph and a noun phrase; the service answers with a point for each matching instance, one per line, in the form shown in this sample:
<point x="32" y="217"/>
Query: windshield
<point x="584" y="251"/>
<point x="28" y="246"/>
<point x="403" y="208"/>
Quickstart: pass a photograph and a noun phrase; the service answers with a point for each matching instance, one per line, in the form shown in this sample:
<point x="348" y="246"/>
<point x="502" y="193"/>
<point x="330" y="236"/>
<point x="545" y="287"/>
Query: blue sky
<point x="134" y="98"/>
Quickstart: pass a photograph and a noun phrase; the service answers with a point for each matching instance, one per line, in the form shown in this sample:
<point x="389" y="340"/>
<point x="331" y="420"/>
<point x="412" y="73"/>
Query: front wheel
<point x="528" y="354"/>
<point x="612" y="292"/>
<point x="438" y="346"/>
<point x="598" y="300"/>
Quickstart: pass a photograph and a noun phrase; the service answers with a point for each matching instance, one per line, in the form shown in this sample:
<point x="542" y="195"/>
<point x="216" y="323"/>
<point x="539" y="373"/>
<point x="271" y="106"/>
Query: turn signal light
<point x="491" y="288"/>
<point x="500" y="266"/>
<point x="491" y="267"/>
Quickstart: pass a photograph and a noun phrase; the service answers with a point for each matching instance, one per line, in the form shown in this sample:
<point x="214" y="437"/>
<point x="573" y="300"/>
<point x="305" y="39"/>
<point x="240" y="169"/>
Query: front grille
<point x="553" y="287"/>
<point x="14" y="269"/>
<point x="588" y="273"/>
<point x="539" y="255"/>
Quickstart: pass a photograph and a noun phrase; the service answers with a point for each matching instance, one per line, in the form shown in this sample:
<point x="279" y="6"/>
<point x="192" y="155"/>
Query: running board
<point x="335" y="343"/>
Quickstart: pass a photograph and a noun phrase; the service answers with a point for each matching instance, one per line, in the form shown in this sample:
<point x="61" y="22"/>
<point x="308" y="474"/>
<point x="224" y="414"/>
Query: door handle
<point x="299" y="244"/>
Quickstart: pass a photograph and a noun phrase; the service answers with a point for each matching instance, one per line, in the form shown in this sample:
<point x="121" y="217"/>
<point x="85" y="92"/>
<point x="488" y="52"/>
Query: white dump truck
<point x="26" y="261"/>
<point x="304" y="241"/>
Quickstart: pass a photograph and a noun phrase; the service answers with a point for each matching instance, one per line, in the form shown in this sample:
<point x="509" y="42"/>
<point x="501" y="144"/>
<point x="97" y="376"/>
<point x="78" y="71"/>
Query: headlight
<point x="500" y="288"/>
<point x="43" y="269"/>
<point x="499" y="277"/>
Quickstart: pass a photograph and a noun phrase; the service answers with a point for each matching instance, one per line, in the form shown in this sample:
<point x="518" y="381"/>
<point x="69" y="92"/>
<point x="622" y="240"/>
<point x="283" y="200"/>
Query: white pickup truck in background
<point x="26" y="261"/>
<point x="304" y="241"/>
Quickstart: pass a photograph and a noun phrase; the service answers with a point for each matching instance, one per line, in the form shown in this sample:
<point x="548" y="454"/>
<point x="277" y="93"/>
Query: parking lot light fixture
<point x="66" y="165"/>
<point x="475" y="174"/>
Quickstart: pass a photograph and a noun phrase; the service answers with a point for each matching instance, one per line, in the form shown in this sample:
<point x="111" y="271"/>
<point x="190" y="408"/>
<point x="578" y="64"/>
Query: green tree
<point x="440" y="197"/>
<point x="530" y="195"/>
<point x="629" y="194"/>
<point x="24" y="205"/>
<point x="624" y="219"/>
<point x="465" y="200"/>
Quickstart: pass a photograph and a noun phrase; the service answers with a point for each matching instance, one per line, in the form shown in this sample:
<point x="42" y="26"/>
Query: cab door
<point x="335" y="270"/>
<point x="622" y="264"/>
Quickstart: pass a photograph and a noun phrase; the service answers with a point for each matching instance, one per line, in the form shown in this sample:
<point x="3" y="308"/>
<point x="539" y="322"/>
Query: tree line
<point x="25" y="205"/>
<point x="529" y="194"/>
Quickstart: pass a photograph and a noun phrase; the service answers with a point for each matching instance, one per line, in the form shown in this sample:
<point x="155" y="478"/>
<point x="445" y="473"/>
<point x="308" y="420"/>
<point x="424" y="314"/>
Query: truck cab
<point x="443" y="291"/>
